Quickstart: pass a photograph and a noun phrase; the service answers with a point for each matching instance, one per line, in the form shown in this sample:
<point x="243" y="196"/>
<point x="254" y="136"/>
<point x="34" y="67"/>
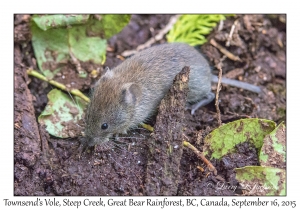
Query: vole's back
<point x="154" y="70"/>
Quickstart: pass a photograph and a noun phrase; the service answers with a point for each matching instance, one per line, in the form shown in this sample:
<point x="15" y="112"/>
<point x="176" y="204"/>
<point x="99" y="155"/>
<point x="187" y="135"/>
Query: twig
<point x="200" y="169"/>
<point x="231" y="33"/>
<point x="75" y="92"/>
<point x="238" y="115"/>
<point x="201" y="156"/>
<point x="221" y="25"/>
<point x="234" y="73"/>
<point x="147" y="127"/>
<point x="217" y="94"/>
<point x="154" y="39"/>
<point x="76" y="62"/>
<point x="224" y="51"/>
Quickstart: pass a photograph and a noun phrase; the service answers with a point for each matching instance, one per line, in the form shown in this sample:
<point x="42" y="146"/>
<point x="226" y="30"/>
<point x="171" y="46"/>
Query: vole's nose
<point x="92" y="142"/>
<point x="86" y="141"/>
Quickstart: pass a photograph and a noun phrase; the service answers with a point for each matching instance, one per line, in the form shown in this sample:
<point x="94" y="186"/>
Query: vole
<point x="127" y="95"/>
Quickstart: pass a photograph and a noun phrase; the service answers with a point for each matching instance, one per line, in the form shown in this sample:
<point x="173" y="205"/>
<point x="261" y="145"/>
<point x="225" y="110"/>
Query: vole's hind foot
<point x="206" y="100"/>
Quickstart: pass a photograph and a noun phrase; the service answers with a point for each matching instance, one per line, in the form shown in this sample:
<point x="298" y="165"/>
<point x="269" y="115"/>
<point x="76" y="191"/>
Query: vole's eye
<point x="104" y="126"/>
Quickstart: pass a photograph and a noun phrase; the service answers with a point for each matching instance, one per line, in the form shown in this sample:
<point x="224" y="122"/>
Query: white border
<point x="153" y="6"/>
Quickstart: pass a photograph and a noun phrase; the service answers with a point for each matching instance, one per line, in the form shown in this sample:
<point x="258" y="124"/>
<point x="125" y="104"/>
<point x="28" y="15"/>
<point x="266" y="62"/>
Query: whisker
<point x="76" y="103"/>
<point x="121" y="149"/>
<point x="126" y="137"/>
<point x="116" y="142"/>
<point x="115" y="161"/>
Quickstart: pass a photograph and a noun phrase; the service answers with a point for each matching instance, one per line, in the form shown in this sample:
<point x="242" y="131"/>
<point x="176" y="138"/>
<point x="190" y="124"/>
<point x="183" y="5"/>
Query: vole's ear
<point x="131" y="94"/>
<point x="108" y="74"/>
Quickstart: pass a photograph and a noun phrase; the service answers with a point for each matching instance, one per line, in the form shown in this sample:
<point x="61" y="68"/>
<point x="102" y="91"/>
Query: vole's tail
<point x="238" y="84"/>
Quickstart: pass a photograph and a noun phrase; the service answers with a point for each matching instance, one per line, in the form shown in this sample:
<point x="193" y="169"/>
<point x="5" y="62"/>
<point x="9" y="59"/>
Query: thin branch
<point x="75" y="92"/>
<point x="224" y="51"/>
<point x="201" y="156"/>
<point x="147" y="127"/>
<point x="217" y="94"/>
<point x="231" y="33"/>
<point x="154" y="39"/>
<point x="76" y="62"/>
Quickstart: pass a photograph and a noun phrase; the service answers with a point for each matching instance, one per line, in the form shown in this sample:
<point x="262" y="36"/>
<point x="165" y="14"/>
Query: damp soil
<point x="45" y="165"/>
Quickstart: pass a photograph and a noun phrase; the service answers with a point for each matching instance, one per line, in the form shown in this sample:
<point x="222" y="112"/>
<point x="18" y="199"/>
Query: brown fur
<point x="125" y="96"/>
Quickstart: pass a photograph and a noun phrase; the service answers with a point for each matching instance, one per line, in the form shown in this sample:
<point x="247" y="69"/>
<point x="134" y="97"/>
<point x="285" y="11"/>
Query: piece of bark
<point x="27" y="142"/>
<point x="165" y="143"/>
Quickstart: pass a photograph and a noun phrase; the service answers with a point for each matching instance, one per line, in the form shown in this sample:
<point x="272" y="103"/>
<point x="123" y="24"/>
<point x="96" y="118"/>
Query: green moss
<point x="192" y="29"/>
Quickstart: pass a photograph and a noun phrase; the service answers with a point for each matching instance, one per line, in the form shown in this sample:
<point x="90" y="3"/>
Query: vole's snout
<point x="85" y="141"/>
<point x="90" y="141"/>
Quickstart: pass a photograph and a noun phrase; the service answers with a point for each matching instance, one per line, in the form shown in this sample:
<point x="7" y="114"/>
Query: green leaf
<point x="80" y="36"/>
<point x="223" y="140"/>
<point x="61" y="116"/>
<point x="107" y="25"/>
<point x="192" y="29"/>
<point x="273" y="151"/>
<point x="86" y="48"/>
<point x="46" y="22"/>
<point x="51" y="49"/>
<point x="259" y="180"/>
